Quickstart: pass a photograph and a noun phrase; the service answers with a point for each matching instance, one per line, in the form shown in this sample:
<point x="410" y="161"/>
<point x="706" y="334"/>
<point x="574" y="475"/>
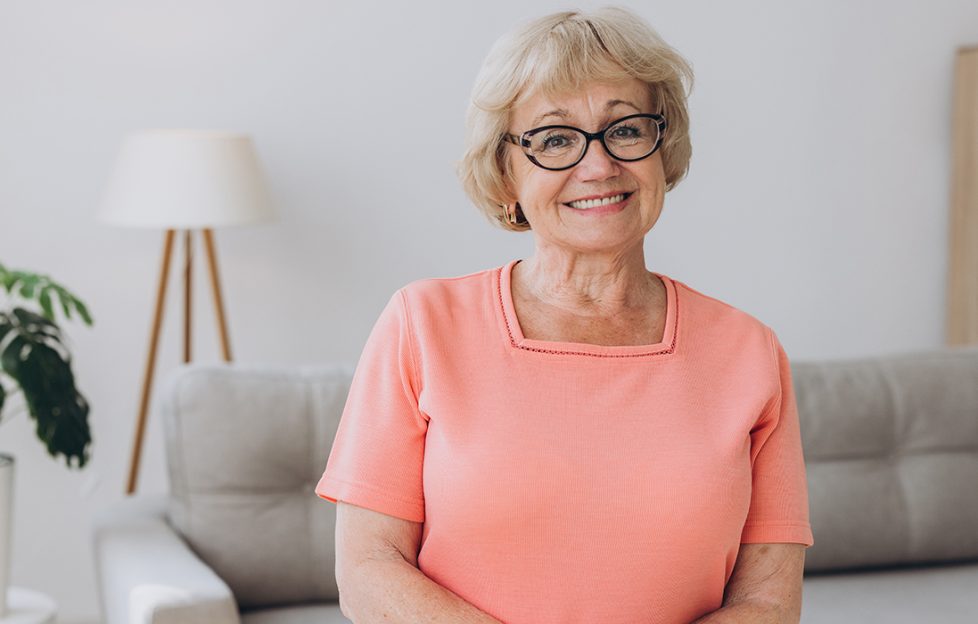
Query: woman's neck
<point x="587" y="285"/>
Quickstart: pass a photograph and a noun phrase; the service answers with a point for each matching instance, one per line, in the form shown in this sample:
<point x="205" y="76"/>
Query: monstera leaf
<point x="38" y="361"/>
<point x="33" y="354"/>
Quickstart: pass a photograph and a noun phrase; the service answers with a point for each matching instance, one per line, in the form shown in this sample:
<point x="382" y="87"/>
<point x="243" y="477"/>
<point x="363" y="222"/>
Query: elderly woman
<point x="571" y="437"/>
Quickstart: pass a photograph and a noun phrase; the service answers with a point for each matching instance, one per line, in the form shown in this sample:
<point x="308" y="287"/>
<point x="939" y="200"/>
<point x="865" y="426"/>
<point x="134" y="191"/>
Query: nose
<point x="597" y="164"/>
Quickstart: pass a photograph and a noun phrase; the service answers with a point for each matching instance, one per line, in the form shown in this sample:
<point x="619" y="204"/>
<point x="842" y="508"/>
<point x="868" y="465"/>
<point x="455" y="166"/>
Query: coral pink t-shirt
<point x="563" y="482"/>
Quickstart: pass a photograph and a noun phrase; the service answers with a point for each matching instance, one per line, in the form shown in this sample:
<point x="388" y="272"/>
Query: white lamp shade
<point x="186" y="179"/>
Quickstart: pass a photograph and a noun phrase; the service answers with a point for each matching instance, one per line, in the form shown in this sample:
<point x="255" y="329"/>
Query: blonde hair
<point x="556" y="54"/>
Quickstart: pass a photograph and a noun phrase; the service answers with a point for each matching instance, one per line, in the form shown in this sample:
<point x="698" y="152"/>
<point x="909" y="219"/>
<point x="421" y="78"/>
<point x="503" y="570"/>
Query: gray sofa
<point x="891" y="454"/>
<point x="891" y="448"/>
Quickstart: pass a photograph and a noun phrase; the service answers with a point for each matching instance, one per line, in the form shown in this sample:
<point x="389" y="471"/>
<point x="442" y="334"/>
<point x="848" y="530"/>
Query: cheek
<point x="652" y="177"/>
<point x="539" y="188"/>
<point x="524" y="176"/>
<point x="660" y="175"/>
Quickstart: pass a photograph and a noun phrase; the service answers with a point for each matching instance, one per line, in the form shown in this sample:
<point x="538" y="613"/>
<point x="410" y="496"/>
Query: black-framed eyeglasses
<point x="627" y="139"/>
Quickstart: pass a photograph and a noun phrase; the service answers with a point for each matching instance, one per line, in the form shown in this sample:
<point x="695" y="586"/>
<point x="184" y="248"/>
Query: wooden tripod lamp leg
<point x="150" y="363"/>
<point x="188" y="260"/>
<point x="216" y="287"/>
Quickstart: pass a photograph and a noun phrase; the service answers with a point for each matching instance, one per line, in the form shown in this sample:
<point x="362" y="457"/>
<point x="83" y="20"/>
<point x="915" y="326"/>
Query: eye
<point x="554" y="141"/>
<point x="626" y="131"/>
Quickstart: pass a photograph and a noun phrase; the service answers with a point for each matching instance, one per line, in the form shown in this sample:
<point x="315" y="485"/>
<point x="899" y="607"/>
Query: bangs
<point x="565" y="60"/>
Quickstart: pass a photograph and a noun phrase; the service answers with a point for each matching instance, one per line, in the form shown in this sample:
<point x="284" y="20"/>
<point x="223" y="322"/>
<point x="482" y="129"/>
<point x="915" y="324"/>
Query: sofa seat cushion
<point x="323" y="613"/>
<point x="943" y="593"/>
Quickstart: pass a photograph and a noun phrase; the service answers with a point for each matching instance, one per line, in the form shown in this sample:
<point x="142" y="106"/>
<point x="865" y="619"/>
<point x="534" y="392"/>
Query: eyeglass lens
<point x="628" y="139"/>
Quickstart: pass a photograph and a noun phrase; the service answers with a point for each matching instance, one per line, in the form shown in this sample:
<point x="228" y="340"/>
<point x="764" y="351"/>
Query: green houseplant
<point x="34" y="356"/>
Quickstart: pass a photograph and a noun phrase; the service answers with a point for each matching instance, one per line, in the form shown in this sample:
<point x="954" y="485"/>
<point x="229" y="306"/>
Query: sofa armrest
<point x="146" y="573"/>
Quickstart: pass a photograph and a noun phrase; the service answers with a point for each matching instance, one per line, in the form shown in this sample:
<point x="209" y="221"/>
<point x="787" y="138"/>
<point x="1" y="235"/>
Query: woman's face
<point x="544" y="195"/>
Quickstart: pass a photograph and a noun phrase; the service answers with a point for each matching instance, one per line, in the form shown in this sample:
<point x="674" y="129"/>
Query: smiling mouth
<point x="585" y="204"/>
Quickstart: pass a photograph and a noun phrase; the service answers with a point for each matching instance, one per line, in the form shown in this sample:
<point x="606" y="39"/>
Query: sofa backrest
<point x="245" y="448"/>
<point x="891" y="454"/>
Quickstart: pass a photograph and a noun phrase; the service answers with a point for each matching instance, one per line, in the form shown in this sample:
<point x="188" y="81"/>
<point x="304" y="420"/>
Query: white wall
<point x="816" y="201"/>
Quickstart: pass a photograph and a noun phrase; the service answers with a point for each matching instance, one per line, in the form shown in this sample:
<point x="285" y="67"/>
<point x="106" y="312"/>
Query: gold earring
<point x="511" y="214"/>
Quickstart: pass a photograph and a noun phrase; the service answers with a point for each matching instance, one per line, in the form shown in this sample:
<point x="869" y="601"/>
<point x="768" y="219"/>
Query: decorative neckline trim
<point x="502" y="277"/>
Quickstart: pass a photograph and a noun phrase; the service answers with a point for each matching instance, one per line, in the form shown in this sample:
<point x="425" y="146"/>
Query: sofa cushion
<point x="891" y="454"/>
<point x="245" y="446"/>
<point x="940" y="593"/>
<point x="301" y="614"/>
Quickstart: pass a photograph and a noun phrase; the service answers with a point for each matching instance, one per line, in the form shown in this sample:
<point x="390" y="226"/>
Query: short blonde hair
<point x="556" y="54"/>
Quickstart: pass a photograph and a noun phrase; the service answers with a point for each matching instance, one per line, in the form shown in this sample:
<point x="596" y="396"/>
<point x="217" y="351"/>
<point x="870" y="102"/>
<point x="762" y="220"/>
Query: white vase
<point x="6" y="524"/>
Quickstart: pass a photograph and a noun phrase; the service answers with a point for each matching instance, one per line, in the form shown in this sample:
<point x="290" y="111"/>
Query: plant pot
<point x="6" y="525"/>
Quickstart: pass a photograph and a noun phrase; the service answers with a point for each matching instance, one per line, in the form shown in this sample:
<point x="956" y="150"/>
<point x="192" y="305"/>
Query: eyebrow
<point x="563" y="114"/>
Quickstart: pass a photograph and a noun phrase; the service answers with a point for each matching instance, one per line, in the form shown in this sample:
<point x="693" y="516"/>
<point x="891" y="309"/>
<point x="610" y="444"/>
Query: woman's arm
<point x="744" y="613"/>
<point x="378" y="576"/>
<point x="393" y="591"/>
<point x="764" y="587"/>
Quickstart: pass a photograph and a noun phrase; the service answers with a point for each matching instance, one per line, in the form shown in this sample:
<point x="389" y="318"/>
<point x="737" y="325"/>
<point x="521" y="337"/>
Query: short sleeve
<point x="779" y="493"/>
<point x="377" y="456"/>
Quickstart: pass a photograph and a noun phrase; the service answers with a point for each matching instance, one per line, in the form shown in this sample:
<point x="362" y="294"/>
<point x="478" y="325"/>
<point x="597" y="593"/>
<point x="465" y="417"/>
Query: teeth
<point x="593" y="203"/>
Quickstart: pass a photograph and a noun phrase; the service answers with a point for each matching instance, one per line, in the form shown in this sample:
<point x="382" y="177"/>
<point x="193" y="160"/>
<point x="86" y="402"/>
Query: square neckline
<point x="504" y="299"/>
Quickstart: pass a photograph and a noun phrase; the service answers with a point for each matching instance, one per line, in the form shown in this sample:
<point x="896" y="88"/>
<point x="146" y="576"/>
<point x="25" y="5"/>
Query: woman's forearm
<point x="394" y="591"/>
<point x="747" y="613"/>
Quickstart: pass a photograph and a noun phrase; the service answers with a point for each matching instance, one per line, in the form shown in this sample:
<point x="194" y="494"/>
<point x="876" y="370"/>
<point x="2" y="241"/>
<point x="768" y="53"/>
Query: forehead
<point x="593" y="101"/>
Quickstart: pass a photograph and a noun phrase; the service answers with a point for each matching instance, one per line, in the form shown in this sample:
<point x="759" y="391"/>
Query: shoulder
<point x="730" y="340"/>
<point x="716" y="308"/>
<point x="719" y="320"/>
<point x="430" y="291"/>
<point x="447" y="303"/>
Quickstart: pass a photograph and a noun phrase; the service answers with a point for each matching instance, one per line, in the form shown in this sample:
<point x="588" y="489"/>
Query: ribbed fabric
<point x="567" y="482"/>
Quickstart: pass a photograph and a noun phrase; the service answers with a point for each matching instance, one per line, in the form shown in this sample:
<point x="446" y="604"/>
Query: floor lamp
<point x="183" y="180"/>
